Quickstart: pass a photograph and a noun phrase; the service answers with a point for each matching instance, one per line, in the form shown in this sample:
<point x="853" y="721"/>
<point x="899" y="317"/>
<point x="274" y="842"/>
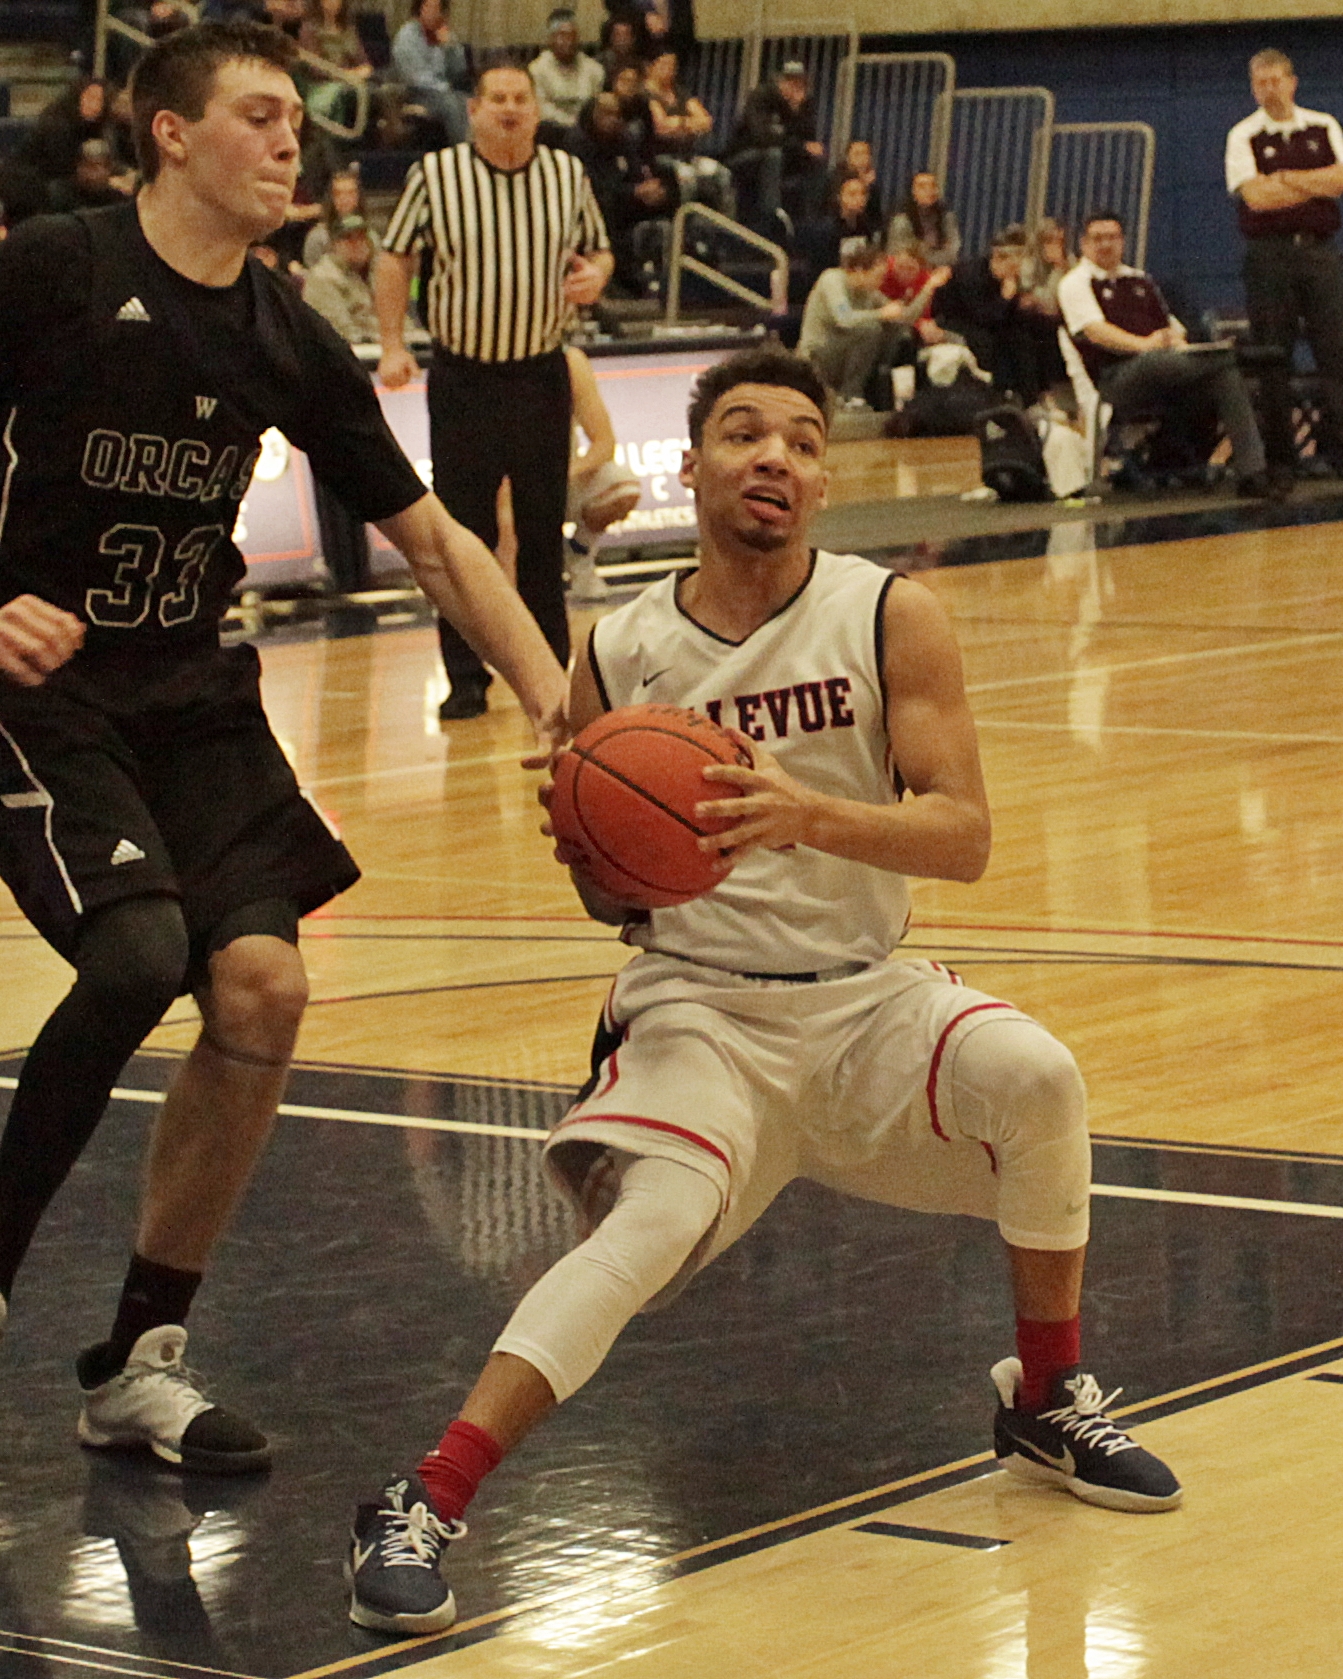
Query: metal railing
<point x="900" y="103"/>
<point x="678" y="263"/>
<point x="1103" y="166"/>
<point x="108" y="23"/>
<point x="998" y="151"/>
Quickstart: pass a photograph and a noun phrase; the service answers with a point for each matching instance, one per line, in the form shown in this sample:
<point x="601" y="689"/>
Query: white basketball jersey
<point x="807" y="685"/>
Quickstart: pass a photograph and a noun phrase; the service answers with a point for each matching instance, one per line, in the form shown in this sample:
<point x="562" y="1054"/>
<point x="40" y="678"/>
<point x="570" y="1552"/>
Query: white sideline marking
<point x="532" y="1133"/>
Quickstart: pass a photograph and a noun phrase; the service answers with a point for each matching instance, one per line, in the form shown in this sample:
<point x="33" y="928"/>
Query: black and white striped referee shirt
<point x="501" y="241"/>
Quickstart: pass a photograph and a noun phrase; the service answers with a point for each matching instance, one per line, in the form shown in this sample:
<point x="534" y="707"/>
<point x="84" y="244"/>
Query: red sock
<point x="456" y="1467"/>
<point x="1045" y="1349"/>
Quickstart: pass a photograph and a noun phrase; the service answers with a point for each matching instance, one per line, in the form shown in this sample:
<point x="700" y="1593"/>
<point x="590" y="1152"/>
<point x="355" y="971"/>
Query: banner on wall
<point x="646" y="396"/>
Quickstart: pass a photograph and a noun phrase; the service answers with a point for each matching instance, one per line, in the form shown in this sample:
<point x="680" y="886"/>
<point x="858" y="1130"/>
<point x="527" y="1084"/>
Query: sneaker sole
<point x="434" y="1620"/>
<point x="1109" y="1498"/>
<point x="190" y="1462"/>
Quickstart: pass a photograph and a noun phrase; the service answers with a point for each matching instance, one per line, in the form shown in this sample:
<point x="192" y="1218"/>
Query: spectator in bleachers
<point x="777" y="161"/>
<point x="338" y="284"/>
<point x="432" y="63"/>
<point x="848" y="217"/>
<point x="77" y="114"/>
<point x="622" y="44"/>
<point x="565" y="78"/>
<point x="682" y="128"/>
<point x="926" y="221"/>
<point x="155" y="18"/>
<point x="1138" y="354"/>
<point x="848" y="328"/>
<point x="636" y="112"/>
<point x="914" y="287"/>
<point x="857" y="161"/>
<point x="344" y="197"/>
<point x="981" y="304"/>
<point x="635" y="201"/>
<point x="90" y="186"/>
<point x="1047" y="261"/>
<point x="328" y="31"/>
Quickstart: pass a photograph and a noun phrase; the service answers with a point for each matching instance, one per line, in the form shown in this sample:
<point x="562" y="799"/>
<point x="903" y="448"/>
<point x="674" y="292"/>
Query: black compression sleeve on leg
<point x="129" y="966"/>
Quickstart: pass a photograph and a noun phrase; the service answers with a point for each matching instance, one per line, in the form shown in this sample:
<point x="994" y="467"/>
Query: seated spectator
<point x="155" y="18"/>
<point x="924" y="220"/>
<point x="636" y="112"/>
<point x="858" y="161"/>
<point x="623" y="43"/>
<point x="981" y="304"/>
<point x="338" y="285"/>
<point x="1047" y="261"/>
<point x="907" y="282"/>
<point x="848" y="218"/>
<point x="1139" y="356"/>
<point x="682" y="128"/>
<point x="848" y="328"/>
<point x="777" y="162"/>
<point x="90" y="187"/>
<point x="52" y="146"/>
<point x="636" y="203"/>
<point x="432" y="63"/>
<point x="328" y="32"/>
<point x="565" y="78"/>
<point x="344" y="197"/>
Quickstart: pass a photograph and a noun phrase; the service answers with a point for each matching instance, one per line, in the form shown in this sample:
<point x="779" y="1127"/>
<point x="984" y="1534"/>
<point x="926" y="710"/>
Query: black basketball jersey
<point x="132" y="401"/>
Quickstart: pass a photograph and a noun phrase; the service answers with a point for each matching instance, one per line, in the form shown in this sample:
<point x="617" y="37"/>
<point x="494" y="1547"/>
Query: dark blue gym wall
<point x="1191" y="84"/>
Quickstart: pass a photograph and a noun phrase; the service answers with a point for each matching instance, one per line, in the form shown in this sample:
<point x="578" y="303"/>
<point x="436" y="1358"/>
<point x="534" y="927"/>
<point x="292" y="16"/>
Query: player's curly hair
<point x="178" y="75"/>
<point x="771" y="364"/>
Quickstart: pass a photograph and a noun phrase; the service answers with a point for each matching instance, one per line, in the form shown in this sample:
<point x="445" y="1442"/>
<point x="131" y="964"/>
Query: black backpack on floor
<point x="1013" y="462"/>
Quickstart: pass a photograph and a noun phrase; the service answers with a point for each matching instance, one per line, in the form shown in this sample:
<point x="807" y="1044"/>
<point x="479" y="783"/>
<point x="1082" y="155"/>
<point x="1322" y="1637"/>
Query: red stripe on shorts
<point x="936" y="1063"/>
<point x="648" y="1125"/>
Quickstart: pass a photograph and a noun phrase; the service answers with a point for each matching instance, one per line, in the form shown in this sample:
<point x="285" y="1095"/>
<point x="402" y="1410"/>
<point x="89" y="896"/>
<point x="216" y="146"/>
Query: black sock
<point x="129" y="966"/>
<point x="151" y="1296"/>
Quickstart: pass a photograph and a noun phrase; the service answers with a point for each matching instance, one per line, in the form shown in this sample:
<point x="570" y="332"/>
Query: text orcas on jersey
<point x="144" y="464"/>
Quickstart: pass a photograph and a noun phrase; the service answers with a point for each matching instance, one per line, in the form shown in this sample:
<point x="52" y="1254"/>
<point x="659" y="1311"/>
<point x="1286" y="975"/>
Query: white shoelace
<point x="1085" y="1417"/>
<point x="414" y="1538"/>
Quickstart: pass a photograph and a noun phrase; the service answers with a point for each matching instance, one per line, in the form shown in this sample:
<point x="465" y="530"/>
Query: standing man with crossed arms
<point x="518" y="242"/>
<point x="1284" y="167"/>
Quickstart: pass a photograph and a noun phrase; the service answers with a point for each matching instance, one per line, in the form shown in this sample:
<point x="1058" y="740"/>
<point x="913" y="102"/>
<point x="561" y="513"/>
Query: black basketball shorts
<point x="114" y="787"/>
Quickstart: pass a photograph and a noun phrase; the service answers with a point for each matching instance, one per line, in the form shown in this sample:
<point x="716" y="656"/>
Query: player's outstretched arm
<point x="36" y="638"/>
<point x="463" y="580"/>
<point x="940" y="829"/>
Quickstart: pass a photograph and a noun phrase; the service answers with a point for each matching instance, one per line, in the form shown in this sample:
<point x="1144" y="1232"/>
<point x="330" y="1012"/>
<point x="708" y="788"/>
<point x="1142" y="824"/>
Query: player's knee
<point x="134" y="955"/>
<point x="1040" y="1087"/>
<point x="258" y="992"/>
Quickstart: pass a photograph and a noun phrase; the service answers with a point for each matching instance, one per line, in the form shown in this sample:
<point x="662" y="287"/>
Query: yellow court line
<point x="1154" y="663"/>
<point x="516" y="1609"/>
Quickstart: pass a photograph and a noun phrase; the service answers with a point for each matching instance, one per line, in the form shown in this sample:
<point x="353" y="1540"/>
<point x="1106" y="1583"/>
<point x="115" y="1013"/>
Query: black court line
<point x="1326" y="1376"/>
<point x="932" y="1536"/>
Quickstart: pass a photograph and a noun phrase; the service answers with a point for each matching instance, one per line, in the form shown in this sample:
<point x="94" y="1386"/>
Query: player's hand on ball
<point x="36" y="638"/>
<point x="769" y="809"/>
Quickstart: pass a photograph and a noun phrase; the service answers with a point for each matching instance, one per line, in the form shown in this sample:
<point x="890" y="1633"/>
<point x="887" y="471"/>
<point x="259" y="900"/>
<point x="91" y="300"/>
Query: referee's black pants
<point x="491" y="421"/>
<point x="1294" y="286"/>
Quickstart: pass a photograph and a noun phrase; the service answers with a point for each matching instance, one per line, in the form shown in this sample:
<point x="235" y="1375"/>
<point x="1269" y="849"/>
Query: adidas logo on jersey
<point x="127" y="852"/>
<point x="132" y="310"/>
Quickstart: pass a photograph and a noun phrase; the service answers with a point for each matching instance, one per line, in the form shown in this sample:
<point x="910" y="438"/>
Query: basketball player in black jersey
<point x="150" y="827"/>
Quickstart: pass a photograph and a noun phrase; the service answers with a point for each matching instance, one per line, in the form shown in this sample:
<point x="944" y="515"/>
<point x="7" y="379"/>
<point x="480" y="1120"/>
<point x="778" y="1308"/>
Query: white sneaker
<point x="155" y="1402"/>
<point x="584" y="582"/>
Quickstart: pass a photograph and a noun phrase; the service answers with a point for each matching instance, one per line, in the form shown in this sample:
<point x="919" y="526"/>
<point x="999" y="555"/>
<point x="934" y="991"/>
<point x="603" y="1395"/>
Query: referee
<point x="1284" y="166"/>
<point x="517" y="242"/>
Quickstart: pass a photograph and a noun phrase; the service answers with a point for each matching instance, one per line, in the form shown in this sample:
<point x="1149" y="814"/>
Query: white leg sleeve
<point x="568" y="1322"/>
<point x="1018" y="1089"/>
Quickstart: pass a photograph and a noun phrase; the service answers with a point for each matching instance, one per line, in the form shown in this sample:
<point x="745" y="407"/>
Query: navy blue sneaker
<point x="396" y="1550"/>
<point x="1073" y="1445"/>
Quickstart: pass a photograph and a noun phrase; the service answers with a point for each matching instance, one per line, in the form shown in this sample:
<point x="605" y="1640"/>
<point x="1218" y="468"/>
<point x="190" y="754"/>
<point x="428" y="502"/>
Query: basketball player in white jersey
<point x="762" y="1034"/>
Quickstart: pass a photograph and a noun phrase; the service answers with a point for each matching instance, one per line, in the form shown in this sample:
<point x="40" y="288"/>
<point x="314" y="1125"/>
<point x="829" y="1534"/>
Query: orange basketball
<point x="625" y="796"/>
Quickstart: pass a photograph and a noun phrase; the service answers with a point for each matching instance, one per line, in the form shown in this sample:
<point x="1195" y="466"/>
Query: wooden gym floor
<point x="787" y="1473"/>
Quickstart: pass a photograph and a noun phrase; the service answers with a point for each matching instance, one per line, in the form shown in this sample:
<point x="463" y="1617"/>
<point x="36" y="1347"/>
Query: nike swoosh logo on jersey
<point x="649" y="680"/>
